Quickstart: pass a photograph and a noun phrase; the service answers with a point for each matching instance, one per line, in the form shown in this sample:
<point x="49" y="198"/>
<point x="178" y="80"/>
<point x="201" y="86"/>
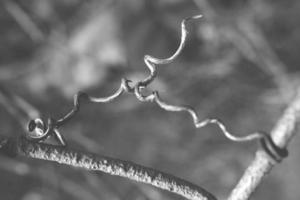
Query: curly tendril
<point x="43" y="131"/>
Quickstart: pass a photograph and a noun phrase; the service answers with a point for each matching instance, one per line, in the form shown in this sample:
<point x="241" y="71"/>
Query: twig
<point x="22" y="146"/>
<point x="251" y="43"/>
<point x="18" y="107"/>
<point x="24" y="21"/>
<point x="63" y="155"/>
<point x="262" y="164"/>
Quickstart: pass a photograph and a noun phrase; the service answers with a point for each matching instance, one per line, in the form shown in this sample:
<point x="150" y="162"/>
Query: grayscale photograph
<point x="149" y="100"/>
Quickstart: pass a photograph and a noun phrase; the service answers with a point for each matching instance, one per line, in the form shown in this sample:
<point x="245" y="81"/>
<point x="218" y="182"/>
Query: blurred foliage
<point x="240" y="65"/>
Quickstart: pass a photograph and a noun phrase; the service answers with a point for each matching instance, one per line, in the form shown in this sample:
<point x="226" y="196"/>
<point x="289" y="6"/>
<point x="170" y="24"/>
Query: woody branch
<point x="67" y="156"/>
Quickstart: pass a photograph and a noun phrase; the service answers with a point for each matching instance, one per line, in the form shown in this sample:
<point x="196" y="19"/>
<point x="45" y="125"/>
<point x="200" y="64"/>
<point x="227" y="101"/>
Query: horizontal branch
<point x="64" y="155"/>
<point x="262" y="164"/>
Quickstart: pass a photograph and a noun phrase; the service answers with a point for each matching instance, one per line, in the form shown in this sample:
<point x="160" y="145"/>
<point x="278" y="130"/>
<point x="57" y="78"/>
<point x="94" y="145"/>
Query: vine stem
<point x="64" y="155"/>
<point x="281" y="134"/>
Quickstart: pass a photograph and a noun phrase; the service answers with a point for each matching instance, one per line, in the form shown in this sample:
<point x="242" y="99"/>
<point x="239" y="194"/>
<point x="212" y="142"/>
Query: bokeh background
<point x="240" y="64"/>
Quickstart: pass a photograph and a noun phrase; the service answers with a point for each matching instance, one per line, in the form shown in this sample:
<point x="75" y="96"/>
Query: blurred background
<point x="240" y="64"/>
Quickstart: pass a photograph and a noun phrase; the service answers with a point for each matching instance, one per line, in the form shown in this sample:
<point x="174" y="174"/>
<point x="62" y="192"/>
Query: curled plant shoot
<point x="43" y="131"/>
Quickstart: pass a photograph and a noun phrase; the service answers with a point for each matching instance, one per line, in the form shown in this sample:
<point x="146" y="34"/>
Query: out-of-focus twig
<point x="23" y="147"/>
<point x="283" y="131"/>
<point x="18" y="107"/>
<point x="266" y="58"/>
<point x="24" y="21"/>
<point x="246" y="37"/>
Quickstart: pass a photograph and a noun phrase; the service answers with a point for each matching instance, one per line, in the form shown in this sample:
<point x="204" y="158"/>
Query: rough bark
<point x="89" y="161"/>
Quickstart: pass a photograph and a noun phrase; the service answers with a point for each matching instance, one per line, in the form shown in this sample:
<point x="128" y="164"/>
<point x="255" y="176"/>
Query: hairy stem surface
<point x="89" y="161"/>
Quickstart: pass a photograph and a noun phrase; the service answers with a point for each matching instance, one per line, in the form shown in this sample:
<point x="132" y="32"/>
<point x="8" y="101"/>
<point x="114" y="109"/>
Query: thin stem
<point x="63" y="155"/>
<point x="25" y="22"/>
<point x="283" y="131"/>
